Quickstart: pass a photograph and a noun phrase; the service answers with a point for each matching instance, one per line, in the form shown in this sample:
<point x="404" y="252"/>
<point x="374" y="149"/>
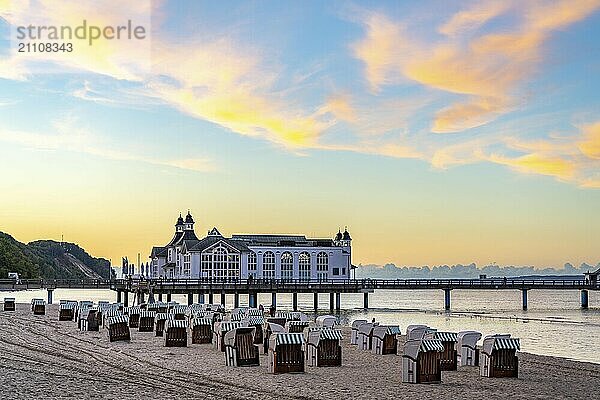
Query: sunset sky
<point x="439" y="132"/>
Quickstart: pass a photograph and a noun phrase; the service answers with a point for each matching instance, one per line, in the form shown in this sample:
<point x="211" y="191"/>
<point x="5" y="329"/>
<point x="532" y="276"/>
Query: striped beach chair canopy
<point x="331" y="334"/>
<point x="178" y="309"/>
<point x="255" y="312"/>
<point x="431" y="345"/>
<point x="284" y="314"/>
<point x="147" y="314"/>
<point x="201" y="322"/>
<point x="83" y="302"/>
<point x="67" y="306"/>
<point x="315" y="335"/>
<point x="9" y="299"/>
<point x="253" y="320"/>
<point x="297" y="323"/>
<point x="226" y="326"/>
<point x="112" y="312"/>
<point x="507" y="344"/>
<point x="164" y="316"/>
<point x="237" y="317"/>
<point x="118" y="319"/>
<point x="443" y="336"/>
<point x="176" y="323"/>
<point x="286" y="338"/>
<point x="38" y="301"/>
<point x="133" y="310"/>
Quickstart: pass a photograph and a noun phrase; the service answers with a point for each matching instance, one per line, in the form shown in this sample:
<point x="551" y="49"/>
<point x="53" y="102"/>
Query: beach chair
<point x="220" y="329"/>
<point x="178" y="312"/>
<point x="448" y="358"/>
<point x="293" y="326"/>
<point x="134" y="316"/>
<point x="66" y="311"/>
<point x="415" y="332"/>
<point x="39" y="307"/>
<point x="354" y="332"/>
<point x="365" y="336"/>
<point x="240" y="349"/>
<point x="466" y="346"/>
<point x="256" y="322"/>
<point x="323" y="348"/>
<point x="88" y="320"/>
<point x="175" y="333"/>
<point x="498" y="357"/>
<point x="9" y="304"/>
<point x="201" y="330"/>
<point x="118" y="328"/>
<point x="421" y="361"/>
<point x="269" y="329"/>
<point x="159" y="322"/>
<point x="385" y="339"/>
<point x="146" y="321"/>
<point x="286" y="353"/>
<point x="326" y="321"/>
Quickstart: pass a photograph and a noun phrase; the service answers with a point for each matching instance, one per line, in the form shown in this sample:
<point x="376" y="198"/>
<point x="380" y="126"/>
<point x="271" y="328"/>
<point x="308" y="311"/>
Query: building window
<point x="187" y="265"/>
<point x="304" y="266"/>
<point x="268" y="265"/>
<point x="219" y="263"/>
<point x="322" y="265"/>
<point x="170" y="255"/>
<point x="344" y="271"/>
<point x="252" y="261"/>
<point x="336" y="271"/>
<point x="287" y="265"/>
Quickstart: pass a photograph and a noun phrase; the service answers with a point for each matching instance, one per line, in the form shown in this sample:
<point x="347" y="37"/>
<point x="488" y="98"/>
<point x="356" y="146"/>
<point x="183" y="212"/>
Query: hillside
<point x="49" y="259"/>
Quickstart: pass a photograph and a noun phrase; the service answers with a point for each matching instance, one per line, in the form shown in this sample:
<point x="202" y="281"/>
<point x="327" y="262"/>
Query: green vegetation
<point x="49" y="259"/>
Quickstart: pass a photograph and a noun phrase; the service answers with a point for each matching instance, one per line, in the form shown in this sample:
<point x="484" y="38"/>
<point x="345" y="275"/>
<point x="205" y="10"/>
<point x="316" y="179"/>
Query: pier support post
<point x="338" y="301"/>
<point x="295" y="301"/>
<point x="118" y="296"/>
<point x="274" y="300"/>
<point x="584" y="299"/>
<point x="160" y="297"/>
<point x="524" y="291"/>
<point x="190" y="299"/>
<point x="141" y="298"/>
<point x="168" y="296"/>
<point x="252" y="300"/>
<point x="223" y="298"/>
<point x="316" y="301"/>
<point x="200" y="298"/>
<point x="447" y="299"/>
<point x="126" y="299"/>
<point x="50" y="291"/>
<point x="365" y="300"/>
<point x="236" y="300"/>
<point x="211" y="299"/>
<point x="331" y="300"/>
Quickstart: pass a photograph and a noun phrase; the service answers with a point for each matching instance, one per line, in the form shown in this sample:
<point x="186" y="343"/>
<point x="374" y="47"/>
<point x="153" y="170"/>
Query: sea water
<point x="554" y="324"/>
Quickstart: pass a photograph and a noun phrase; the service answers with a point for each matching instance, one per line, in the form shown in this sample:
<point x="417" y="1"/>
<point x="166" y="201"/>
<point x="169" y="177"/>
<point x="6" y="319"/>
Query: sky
<point x="438" y="132"/>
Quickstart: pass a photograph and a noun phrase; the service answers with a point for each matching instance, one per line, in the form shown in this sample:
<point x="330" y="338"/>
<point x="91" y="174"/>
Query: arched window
<point x="252" y="263"/>
<point x="220" y="263"/>
<point x="304" y="266"/>
<point x="287" y="265"/>
<point x="322" y="265"/>
<point x="268" y="265"/>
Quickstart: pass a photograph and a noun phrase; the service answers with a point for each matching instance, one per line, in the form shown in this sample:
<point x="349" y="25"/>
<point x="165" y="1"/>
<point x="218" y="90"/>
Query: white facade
<point x="281" y="257"/>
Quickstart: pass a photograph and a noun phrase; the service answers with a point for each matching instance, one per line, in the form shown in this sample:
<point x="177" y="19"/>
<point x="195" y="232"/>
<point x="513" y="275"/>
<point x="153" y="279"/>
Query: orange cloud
<point x="590" y="145"/>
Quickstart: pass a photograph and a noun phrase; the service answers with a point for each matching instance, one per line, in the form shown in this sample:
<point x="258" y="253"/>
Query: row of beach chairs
<point x="427" y="351"/>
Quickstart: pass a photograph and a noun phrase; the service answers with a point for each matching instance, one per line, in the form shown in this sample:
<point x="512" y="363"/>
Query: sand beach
<point x="41" y="357"/>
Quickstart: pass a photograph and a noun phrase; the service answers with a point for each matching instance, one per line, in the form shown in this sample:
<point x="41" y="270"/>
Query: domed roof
<point x="179" y="220"/>
<point x="338" y="236"/>
<point x="346" y="235"/>
<point x="189" y="219"/>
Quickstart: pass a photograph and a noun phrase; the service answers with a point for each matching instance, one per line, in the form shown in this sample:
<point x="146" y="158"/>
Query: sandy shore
<point x="41" y="357"/>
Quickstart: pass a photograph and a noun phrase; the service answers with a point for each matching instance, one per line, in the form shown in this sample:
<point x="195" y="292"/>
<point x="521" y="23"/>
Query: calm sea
<point x="554" y="325"/>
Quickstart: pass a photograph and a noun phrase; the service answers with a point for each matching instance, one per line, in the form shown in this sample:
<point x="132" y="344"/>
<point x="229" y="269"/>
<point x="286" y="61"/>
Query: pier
<point x="203" y="289"/>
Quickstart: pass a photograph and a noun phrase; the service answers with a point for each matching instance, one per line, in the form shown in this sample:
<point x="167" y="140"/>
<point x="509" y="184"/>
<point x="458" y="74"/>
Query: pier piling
<point x="126" y="299"/>
<point x="168" y="296"/>
<point x="252" y="300"/>
<point x="141" y="298"/>
<point x="447" y="299"/>
<point x="316" y="301"/>
<point x="160" y="297"/>
<point x="295" y="301"/>
<point x="223" y="298"/>
<point x="274" y="300"/>
<point x="365" y="300"/>
<point x="50" y="291"/>
<point x="584" y="299"/>
<point x="200" y="298"/>
<point x="338" y="301"/>
<point x="331" y="300"/>
<point x="524" y="291"/>
<point x="190" y="299"/>
<point x="210" y="298"/>
<point x="119" y="293"/>
<point x="236" y="300"/>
